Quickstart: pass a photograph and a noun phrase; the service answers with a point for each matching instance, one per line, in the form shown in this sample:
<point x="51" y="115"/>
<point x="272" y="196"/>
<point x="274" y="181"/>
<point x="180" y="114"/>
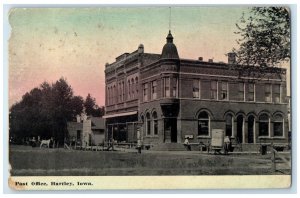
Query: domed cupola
<point x="169" y="50"/>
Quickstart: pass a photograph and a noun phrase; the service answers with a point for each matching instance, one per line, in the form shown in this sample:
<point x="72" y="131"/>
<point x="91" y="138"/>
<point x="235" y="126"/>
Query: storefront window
<point x="278" y="126"/>
<point x="148" y="124"/>
<point x="155" y="123"/>
<point x="229" y="121"/>
<point x="203" y="124"/>
<point x="264" y="125"/>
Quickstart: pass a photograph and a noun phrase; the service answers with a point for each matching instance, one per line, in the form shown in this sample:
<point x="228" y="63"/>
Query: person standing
<point x="139" y="141"/>
<point x="187" y="144"/>
<point x="226" y="144"/>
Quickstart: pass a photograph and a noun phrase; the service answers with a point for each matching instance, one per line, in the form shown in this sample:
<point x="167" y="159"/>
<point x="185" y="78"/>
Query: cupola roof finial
<point x="169" y="37"/>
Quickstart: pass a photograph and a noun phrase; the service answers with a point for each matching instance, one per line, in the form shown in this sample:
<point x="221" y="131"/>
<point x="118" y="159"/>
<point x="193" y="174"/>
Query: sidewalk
<point x="132" y="150"/>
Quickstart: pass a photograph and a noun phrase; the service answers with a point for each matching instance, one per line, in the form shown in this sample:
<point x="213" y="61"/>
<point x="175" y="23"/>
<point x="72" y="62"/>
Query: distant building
<point x="173" y="98"/>
<point x="87" y="130"/>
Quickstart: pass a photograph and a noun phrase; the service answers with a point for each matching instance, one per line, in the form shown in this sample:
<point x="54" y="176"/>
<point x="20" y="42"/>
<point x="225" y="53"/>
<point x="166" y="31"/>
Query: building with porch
<point x="172" y="98"/>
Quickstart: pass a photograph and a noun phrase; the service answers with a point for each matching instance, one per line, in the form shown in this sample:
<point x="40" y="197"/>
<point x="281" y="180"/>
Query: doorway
<point x="170" y="129"/>
<point x="251" y="129"/>
<point x="240" y="128"/>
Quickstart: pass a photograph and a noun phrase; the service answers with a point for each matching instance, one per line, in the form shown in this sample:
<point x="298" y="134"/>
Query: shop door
<point x="170" y="129"/>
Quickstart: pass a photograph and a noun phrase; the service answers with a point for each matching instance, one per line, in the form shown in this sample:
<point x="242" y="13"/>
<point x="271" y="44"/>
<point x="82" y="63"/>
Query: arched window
<point x="278" y="125"/>
<point x="128" y="90"/>
<point x="108" y="95"/>
<point x="123" y="91"/>
<point x="203" y="124"/>
<point x="155" y="123"/>
<point x="120" y="91"/>
<point x="115" y="97"/>
<point x="137" y="86"/>
<point x="132" y="88"/>
<point x="229" y="124"/>
<point x="264" y="125"/>
<point x="148" y="124"/>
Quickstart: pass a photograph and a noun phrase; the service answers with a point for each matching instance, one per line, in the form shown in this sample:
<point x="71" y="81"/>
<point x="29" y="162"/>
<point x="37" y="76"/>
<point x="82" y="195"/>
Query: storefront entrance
<point x="170" y="130"/>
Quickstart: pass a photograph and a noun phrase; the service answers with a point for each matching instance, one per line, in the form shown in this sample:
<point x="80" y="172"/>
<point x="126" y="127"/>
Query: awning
<point x="120" y="114"/>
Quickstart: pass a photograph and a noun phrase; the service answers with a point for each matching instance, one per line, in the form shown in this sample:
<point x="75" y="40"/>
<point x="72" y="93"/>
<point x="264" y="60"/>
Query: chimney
<point x="210" y="60"/>
<point x="231" y="58"/>
<point x="200" y="58"/>
<point x="141" y="49"/>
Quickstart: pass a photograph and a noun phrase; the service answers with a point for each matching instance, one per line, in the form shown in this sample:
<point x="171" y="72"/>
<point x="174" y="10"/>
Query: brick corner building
<point x="174" y="98"/>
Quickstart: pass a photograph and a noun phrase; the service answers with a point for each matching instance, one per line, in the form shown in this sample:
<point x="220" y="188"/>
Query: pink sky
<point x="75" y="43"/>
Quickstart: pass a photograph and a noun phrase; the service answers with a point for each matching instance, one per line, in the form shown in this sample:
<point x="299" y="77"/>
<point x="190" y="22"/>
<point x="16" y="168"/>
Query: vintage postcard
<point x="150" y="97"/>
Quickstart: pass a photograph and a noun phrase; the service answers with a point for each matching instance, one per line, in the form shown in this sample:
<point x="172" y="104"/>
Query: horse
<point x="46" y="142"/>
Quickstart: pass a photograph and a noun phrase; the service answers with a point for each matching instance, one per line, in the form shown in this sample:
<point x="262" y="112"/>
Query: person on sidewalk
<point x="187" y="144"/>
<point x="226" y="144"/>
<point x="139" y="141"/>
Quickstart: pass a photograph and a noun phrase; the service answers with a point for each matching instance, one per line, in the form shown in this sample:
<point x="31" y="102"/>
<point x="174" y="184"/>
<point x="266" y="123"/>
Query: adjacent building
<point x="87" y="131"/>
<point x="172" y="98"/>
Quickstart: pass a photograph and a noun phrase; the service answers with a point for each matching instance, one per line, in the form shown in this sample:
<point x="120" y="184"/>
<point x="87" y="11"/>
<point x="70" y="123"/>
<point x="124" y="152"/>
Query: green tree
<point x="91" y="108"/>
<point x="265" y="37"/>
<point x="89" y="105"/>
<point x="45" y="111"/>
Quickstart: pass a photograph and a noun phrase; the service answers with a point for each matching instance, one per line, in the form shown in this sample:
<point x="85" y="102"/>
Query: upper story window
<point x="241" y="91"/>
<point x="132" y="89"/>
<point x="154" y="89"/>
<point x="196" y="89"/>
<point x="224" y="91"/>
<point x="276" y="93"/>
<point x="268" y="93"/>
<point x="145" y="92"/>
<point x="129" y="90"/>
<point x="174" y="88"/>
<point x="213" y="89"/>
<point x="115" y="97"/>
<point x="167" y="87"/>
<point x="251" y="95"/>
<point x="137" y="86"/>
<point x="108" y="96"/>
<point x="120" y="91"/>
<point x="123" y="91"/>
